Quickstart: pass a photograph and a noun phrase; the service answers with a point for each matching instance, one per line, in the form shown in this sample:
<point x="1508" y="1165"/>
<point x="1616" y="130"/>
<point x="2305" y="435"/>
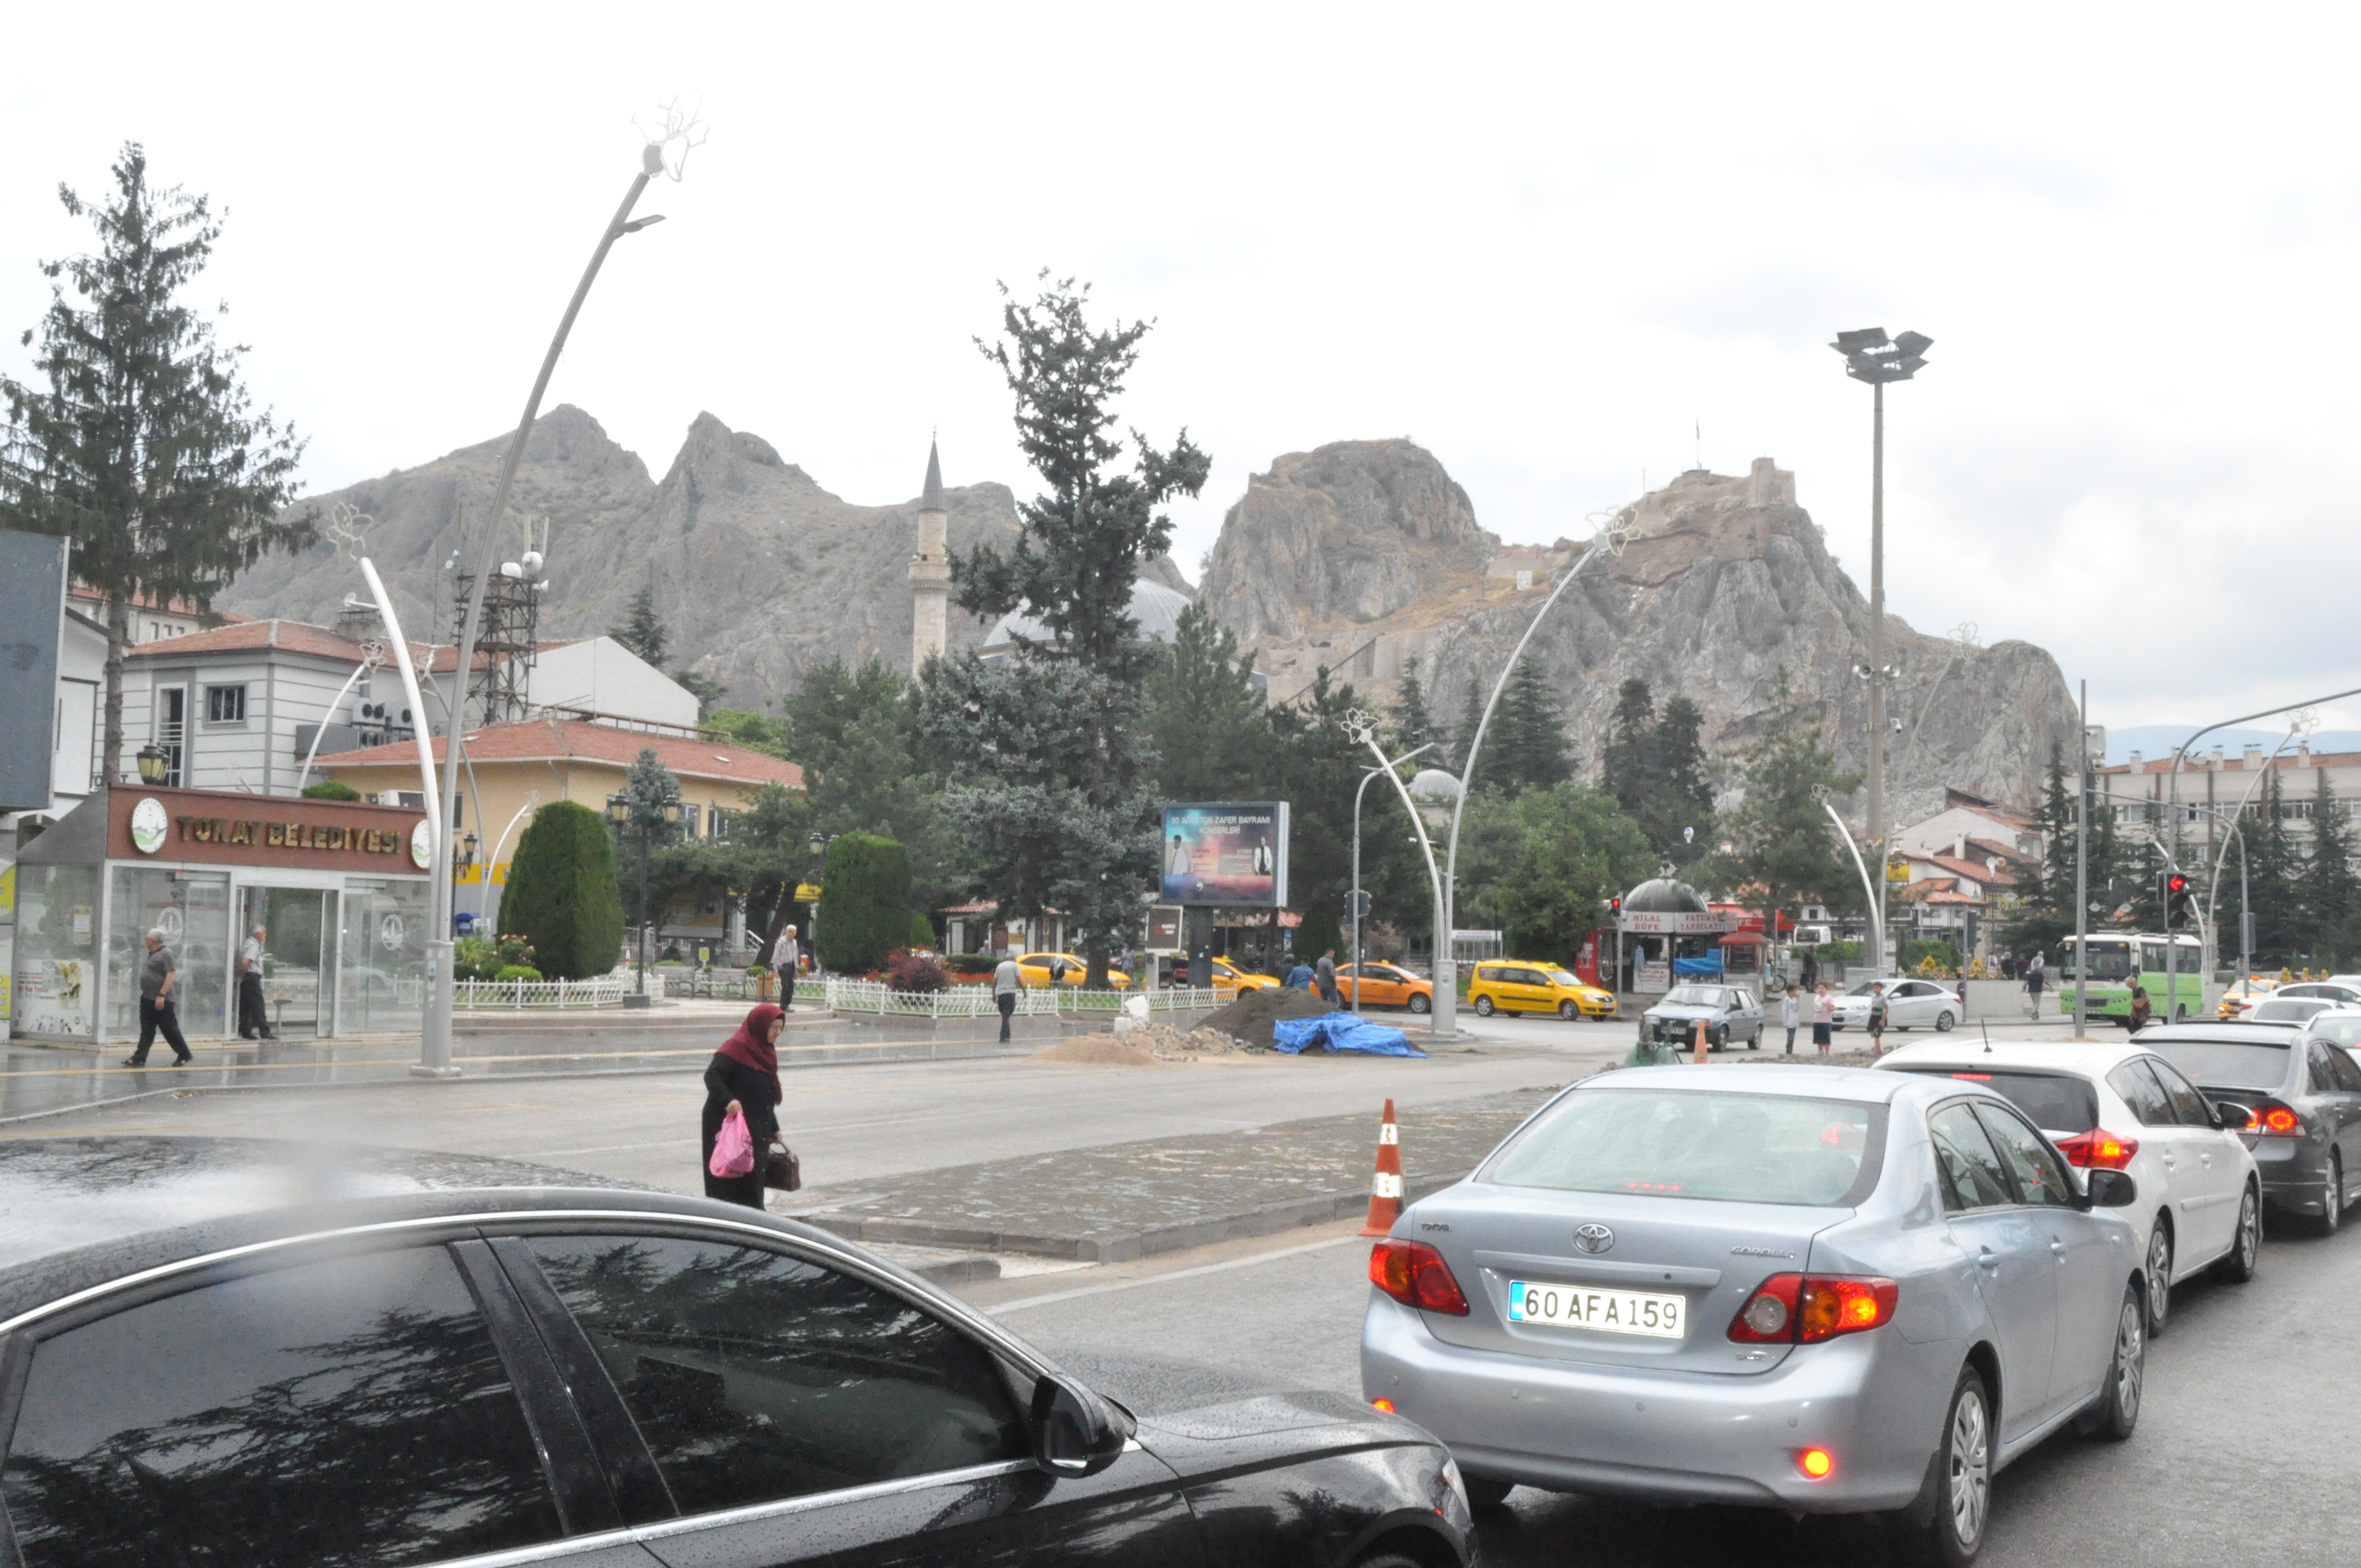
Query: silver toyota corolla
<point x="1816" y="1289"/>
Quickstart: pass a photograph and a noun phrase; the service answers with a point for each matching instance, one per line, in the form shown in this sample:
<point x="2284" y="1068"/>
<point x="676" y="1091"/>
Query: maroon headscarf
<point x="750" y="1046"/>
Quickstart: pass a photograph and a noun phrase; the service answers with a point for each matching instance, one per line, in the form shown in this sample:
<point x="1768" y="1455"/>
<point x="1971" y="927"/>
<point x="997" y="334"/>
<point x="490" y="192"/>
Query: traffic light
<point x="2175" y="900"/>
<point x="1615" y="908"/>
<point x="1357" y="904"/>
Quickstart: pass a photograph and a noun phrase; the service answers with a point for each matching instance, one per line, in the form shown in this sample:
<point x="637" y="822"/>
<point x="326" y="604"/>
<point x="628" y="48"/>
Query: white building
<point x="2213" y="787"/>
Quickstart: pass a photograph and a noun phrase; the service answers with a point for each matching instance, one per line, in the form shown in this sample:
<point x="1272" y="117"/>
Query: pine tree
<point x="1687" y="789"/>
<point x="142" y="449"/>
<point x="1209" y="727"/>
<point x="1413" y="725"/>
<point x="2044" y="913"/>
<point x="643" y="631"/>
<point x="1055" y="797"/>
<point x="2274" y="879"/>
<point x="1527" y="749"/>
<point x="2330" y="894"/>
<point x="1781" y="840"/>
<point x="1626" y="760"/>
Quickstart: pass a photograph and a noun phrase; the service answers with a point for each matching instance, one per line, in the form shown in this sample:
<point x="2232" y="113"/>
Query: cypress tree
<point x="1528" y="748"/>
<point x="562" y="896"/>
<point x="642" y="631"/>
<point x="864" y="902"/>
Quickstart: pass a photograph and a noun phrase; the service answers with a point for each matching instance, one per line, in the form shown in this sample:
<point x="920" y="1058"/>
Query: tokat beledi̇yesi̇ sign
<point x="1226" y="853"/>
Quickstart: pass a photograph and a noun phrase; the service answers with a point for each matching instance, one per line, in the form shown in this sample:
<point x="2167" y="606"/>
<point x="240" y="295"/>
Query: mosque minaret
<point x="931" y="572"/>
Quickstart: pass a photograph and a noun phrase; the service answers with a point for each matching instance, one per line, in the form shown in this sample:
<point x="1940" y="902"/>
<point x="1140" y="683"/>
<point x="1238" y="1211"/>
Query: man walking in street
<point x="784" y="957"/>
<point x="252" y="1020"/>
<point x="1324" y="975"/>
<point x="1007" y="982"/>
<point x="2033" y="979"/>
<point x="156" y="1006"/>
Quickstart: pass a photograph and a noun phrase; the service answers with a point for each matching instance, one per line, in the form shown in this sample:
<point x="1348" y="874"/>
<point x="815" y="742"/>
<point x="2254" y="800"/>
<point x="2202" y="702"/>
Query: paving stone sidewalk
<point x="1126" y="1200"/>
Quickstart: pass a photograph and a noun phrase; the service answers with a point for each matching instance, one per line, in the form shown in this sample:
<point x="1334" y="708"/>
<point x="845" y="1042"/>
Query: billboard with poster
<point x="1228" y="853"/>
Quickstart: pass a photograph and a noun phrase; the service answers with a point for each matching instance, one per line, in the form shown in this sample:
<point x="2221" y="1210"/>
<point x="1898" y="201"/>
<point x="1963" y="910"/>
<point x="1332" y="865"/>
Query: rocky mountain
<point x="1365" y="556"/>
<point x="758" y="571"/>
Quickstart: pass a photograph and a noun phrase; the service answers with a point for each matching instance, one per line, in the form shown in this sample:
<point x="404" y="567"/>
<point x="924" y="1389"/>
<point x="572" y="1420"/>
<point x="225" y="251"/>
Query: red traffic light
<point x="2176" y="884"/>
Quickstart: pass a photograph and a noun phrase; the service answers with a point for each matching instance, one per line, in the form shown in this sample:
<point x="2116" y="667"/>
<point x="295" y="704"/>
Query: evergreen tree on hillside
<point x="1625" y="759"/>
<point x="142" y="448"/>
<point x="1527" y="747"/>
<point x="1412" y="724"/>
<point x="643" y="631"/>
<point x="1655" y="768"/>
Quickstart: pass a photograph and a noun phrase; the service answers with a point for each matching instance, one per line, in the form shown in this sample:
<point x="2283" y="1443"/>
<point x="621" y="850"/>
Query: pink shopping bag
<point x="733" y="1147"/>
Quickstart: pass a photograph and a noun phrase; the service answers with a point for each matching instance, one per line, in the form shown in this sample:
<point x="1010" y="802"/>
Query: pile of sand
<point x="1149" y="1045"/>
<point x="1249" y="1019"/>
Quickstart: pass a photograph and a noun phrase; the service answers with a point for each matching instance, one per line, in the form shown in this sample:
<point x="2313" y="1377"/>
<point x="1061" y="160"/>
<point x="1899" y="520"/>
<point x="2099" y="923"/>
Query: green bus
<point x="2117" y="960"/>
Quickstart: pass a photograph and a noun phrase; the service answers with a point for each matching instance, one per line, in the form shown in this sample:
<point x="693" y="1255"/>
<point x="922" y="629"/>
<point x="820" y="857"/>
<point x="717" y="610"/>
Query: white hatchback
<point x="2121" y="1107"/>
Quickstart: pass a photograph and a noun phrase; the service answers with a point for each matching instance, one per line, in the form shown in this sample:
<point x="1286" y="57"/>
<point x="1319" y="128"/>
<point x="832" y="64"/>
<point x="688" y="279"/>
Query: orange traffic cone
<point x="1386" y="1186"/>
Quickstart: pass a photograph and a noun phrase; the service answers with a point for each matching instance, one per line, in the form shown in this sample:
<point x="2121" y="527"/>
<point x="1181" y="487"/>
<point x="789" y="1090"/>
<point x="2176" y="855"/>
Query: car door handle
<point x="1989" y="1259"/>
<point x="2168" y="1162"/>
<point x="2059" y="1248"/>
<point x="2206" y="1158"/>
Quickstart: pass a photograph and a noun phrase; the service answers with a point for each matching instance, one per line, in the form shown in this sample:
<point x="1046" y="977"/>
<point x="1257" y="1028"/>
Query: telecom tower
<point x="507" y="637"/>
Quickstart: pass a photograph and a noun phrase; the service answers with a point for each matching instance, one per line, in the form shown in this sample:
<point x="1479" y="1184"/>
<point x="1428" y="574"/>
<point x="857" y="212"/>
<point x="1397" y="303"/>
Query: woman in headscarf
<point x="743" y="1076"/>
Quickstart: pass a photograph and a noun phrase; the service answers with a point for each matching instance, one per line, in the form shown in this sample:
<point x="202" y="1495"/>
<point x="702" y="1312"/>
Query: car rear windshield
<point x="1743" y="1148"/>
<point x="2227" y="1064"/>
<point x="2056" y="1104"/>
<point x="2288" y="1009"/>
<point x="2344" y="1031"/>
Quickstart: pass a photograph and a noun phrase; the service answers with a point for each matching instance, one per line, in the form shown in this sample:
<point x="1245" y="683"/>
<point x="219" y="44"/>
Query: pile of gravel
<point x="1149" y="1044"/>
<point x="1249" y="1019"/>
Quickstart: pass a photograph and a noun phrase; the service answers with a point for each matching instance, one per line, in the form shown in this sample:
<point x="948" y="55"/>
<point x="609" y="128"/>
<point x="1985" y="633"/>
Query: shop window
<point x="225" y="705"/>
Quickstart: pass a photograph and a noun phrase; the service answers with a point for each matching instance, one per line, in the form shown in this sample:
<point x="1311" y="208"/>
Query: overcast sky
<point x="1550" y="245"/>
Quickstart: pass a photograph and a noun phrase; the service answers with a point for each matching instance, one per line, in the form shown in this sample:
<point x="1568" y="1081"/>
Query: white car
<point x="2340" y="1024"/>
<point x="1910" y="1004"/>
<point x="2336" y="992"/>
<point x="2122" y="1107"/>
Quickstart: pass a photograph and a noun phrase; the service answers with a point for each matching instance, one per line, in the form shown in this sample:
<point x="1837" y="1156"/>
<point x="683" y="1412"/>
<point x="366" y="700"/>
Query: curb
<point x="1123" y="1247"/>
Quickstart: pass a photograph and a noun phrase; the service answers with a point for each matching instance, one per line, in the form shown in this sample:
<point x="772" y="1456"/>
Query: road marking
<point x="1019" y="1305"/>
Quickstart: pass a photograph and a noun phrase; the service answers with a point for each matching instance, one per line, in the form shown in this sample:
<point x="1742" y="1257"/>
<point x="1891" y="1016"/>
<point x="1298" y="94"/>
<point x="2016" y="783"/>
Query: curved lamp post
<point x="664" y="153"/>
<point x="1364" y="729"/>
<point x="1609" y="539"/>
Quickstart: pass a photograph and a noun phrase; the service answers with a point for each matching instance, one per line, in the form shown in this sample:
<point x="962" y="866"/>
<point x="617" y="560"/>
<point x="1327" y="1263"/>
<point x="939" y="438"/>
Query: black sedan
<point x="215" y="1350"/>
<point x="2303" y="1096"/>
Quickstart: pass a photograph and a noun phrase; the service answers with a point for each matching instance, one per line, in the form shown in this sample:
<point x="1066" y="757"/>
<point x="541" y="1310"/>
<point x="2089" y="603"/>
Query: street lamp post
<point x="1383" y="767"/>
<point x="1872" y="357"/>
<point x="434" y="1032"/>
<point x="642" y="815"/>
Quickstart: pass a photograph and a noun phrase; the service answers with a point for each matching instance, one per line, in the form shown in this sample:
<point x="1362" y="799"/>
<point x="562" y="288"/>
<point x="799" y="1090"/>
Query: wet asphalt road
<point x="2245" y="1452"/>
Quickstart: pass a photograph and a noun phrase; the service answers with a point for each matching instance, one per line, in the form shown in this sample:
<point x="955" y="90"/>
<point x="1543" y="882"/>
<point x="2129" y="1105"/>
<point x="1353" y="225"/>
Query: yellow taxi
<point x="1063" y="969"/>
<point x="1384" y="985"/>
<point x="1229" y="980"/>
<point x="1515" y="985"/>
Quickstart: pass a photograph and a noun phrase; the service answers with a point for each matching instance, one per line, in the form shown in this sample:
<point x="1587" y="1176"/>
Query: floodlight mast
<point x="1871" y="357"/>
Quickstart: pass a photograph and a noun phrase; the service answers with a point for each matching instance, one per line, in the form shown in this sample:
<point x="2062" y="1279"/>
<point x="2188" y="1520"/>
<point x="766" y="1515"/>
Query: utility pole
<point x="2082" y="874"/>
<point x="1871" y="357"/>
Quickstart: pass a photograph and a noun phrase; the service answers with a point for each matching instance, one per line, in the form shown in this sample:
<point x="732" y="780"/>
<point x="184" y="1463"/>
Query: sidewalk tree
<point x="141" y="443"/>
<point x="1781" y="843"/>
<point x="561" y="896"/>
<point x="864" y="902"/>
<point x="1571" y="848"/>
<point x="1054" y="771"/>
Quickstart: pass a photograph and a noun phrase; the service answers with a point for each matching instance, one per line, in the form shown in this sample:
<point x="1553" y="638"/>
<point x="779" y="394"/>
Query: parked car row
<point x="1820" y="1289"/>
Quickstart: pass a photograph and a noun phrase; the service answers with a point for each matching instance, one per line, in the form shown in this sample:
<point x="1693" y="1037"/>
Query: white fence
<point x="977" y="1001"/>
<point x="603" y="990"/>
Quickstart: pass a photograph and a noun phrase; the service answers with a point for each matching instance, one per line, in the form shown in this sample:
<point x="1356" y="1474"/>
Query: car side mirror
<point x="2231" y="1116"/>
<point x="2113" y="1190"/>
<point x="1075" y="1432"/>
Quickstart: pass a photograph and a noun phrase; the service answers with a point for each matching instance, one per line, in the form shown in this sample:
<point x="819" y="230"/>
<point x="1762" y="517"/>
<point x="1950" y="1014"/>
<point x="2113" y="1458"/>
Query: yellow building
<point x="507" y="771"/>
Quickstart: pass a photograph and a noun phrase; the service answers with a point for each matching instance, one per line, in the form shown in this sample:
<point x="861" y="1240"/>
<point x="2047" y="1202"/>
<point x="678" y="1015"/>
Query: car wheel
<point x="1419" y="1004"/>
<point x="2117" y="1412"/>
<point x="1568" y="1011"/>
<point x="1716" y="1039"/>
<point x="2237" y="1266"/>
<point x="2332" y="1199"/>
<point x="2159" y="1276"/>
<point x="1944" y="1021"/>
<point x="1483" y="1007"/>
<point x="1951" y="1530"/>
<point x="1485" y="1493"/>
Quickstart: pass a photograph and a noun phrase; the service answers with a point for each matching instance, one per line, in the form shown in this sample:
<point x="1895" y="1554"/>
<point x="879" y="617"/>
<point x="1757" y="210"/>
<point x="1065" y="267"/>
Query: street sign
<point x="807" y="893"/>
<point x="1897" y="870"/>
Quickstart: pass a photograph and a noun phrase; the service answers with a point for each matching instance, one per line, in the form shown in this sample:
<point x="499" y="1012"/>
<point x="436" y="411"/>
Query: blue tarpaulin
<point x="1709" y="964"/>
<point x="1341" y="1032"/>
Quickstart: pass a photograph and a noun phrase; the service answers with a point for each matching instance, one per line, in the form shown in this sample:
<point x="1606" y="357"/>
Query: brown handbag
<point x="783" y="1170"/>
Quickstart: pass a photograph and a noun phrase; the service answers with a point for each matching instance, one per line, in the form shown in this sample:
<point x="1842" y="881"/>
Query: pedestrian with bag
<point x="784" y="956"/>
<point x="253" y="1021"/>
<point x="1787" y="1015"/>
<point x="742" y="1081"/>
<point x="2142" y="1008"/>
<point x="1007" y="984"/>
<point x="157" y="1011"/>
<point x="1824" y="1018"/>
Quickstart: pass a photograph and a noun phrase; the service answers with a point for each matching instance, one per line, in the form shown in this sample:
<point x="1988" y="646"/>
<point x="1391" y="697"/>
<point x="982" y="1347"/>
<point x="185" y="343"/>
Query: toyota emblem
<point x="1593" y="1238"/>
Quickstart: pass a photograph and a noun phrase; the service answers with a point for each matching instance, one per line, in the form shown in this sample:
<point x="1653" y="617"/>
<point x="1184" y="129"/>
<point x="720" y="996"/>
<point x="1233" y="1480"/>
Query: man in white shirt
<point x="1007" y="982"/>
<point x="785" y="957"/>
<point x="253" y="1020"/>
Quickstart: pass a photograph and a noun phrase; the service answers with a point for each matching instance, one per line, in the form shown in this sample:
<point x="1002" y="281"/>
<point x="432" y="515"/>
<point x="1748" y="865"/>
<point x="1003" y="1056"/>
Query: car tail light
<point x="1804" y="1308"/>
<point x="2273" y="1119"/>
<point x="1817" y="1463"/>
<point x="2099" y="1149"/>
<point x="1415" y="1275"/>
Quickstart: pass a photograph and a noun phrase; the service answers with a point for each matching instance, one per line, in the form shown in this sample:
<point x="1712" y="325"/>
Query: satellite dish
<point x="511" y="569"/>
<point x="532" y="563"/>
